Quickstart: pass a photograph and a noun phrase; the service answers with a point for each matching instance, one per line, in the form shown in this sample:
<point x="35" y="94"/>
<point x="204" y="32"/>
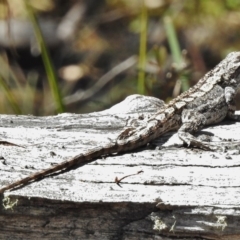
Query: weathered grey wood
<point x="182" y="192"/>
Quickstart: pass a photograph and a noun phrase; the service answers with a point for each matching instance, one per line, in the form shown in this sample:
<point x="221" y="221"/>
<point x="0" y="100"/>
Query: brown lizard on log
<point x="210" y="101"/>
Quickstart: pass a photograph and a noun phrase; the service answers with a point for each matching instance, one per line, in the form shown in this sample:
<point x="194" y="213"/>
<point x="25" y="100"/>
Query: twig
<point x="82" y="96"/>
<point x="117" y="181"/>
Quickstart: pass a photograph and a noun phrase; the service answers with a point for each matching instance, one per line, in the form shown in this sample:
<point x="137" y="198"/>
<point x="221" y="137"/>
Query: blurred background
<point x="87" y="55"/>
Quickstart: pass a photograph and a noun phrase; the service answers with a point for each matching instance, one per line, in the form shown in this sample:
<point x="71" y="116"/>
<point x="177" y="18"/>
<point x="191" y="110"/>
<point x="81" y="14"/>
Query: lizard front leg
<point x="192" y="122"/>
<point x="215" y="111"/>
<point x="230" y="94"/>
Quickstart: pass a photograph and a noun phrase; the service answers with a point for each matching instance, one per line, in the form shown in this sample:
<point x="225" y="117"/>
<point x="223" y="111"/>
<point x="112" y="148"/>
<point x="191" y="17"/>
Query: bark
<point x="182" y="192"/>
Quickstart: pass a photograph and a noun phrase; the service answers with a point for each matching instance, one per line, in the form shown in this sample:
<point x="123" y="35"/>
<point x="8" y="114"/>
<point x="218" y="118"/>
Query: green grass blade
<point x="10" y="96"/>
<point x="51" y="74"/>
<point x="142" y="49"/>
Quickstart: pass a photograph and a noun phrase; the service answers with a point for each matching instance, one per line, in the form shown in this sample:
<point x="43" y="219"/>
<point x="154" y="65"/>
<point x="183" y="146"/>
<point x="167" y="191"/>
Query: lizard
<point x="209" y="101"/>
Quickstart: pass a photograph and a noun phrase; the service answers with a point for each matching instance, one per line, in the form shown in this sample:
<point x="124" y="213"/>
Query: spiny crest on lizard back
<point x="230" y="68"/>
<point x="226" y="73"/>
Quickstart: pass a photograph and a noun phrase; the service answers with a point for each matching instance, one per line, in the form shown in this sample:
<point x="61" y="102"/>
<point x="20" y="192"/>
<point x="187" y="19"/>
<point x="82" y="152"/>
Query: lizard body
<point x="208" y="102"/>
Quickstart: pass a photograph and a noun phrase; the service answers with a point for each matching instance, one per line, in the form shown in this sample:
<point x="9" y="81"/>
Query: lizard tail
<point x="77" y="160"/>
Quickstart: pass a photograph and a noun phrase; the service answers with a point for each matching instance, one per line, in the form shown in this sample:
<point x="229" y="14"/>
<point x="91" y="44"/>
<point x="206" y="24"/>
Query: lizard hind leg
<point x="192" y="122"/>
